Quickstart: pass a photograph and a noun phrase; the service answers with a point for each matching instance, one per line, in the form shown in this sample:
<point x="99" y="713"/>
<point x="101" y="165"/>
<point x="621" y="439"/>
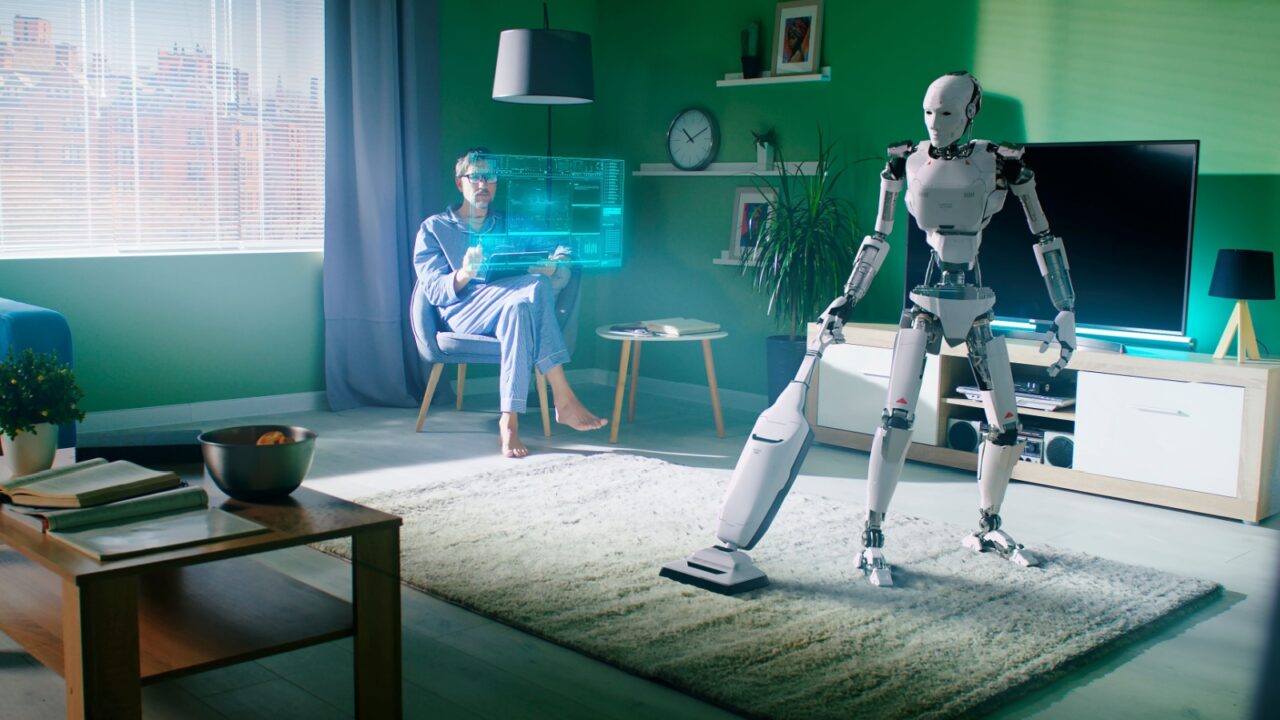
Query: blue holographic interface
<point x="567" y="207"/>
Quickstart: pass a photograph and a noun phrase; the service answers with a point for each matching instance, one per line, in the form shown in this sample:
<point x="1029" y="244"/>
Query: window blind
<point x="161" y="126"/>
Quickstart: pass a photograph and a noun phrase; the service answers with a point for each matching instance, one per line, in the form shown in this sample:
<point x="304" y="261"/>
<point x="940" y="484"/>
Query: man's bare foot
<point x="575" y="415"/>
<point x="508" y="430"/>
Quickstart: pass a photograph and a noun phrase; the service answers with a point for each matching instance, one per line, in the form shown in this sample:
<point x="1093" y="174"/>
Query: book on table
<point x="150" y="523"/>
<point x="88" y="483"/>
<point x="681" y="326"/>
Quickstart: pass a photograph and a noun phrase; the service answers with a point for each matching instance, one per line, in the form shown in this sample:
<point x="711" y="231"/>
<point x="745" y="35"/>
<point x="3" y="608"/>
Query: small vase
<point x="30" y="451"/>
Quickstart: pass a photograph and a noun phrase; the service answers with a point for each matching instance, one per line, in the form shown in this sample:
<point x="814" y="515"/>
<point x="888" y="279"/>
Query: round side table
<point x="629" y="340"/>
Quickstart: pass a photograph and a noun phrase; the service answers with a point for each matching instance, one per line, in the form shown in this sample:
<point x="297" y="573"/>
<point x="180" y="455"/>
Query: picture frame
<point x="750" y="206"/>
<point x="797" y="37"/>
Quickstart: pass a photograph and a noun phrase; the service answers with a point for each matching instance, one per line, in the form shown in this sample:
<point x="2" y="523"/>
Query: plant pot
<point x="30" y="452"/>
<point x="783" y="356"/>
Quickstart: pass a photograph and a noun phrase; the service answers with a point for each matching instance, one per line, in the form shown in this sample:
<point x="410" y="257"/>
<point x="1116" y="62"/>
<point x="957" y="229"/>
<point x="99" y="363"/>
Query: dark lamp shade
<point x="1244" y="275"/>
<point x="544" y="67"/>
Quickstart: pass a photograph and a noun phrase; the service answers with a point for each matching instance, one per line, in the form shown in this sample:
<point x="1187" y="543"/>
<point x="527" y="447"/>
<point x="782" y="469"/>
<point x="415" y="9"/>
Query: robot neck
<point x="952" y="151"/>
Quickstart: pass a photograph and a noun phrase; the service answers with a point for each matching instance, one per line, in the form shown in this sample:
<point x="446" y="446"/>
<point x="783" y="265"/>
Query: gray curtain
<point x="382" y="124"/>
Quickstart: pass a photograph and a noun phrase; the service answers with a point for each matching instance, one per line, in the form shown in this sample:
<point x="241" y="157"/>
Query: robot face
<point x="949" y="105"/>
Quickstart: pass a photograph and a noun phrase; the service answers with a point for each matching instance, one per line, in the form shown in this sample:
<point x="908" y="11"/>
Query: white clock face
<point x="692" y="140"/>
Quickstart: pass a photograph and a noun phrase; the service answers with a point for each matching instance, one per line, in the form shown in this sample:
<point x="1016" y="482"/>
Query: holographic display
<point x="567" y="207"/>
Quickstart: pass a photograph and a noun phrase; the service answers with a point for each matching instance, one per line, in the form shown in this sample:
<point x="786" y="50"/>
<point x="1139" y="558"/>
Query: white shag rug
<point x="570" y="550"/>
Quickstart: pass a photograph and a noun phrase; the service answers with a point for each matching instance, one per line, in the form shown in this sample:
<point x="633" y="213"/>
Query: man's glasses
<point x="477" y="178"/>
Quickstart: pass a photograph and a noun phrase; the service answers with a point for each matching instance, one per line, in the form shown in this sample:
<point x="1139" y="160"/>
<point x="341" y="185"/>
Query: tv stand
<point x="1081" y="341"/>
<point x="1191" y="432"/>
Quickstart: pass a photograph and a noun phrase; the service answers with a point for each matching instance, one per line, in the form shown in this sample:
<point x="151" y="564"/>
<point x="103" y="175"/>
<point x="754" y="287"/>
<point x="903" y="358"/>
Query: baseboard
<point x="165" y="415"/>
<point x="689" y="392"/>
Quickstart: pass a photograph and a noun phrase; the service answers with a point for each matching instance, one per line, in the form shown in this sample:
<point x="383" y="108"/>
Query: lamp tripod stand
<point x="1239" y="328"/>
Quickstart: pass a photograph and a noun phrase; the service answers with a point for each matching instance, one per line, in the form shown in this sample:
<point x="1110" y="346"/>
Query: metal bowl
<point x="247" y="471"/>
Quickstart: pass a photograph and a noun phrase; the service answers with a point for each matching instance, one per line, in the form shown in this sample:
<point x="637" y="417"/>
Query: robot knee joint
<point x="1004" y="437"/>
<point x="898" y="419"/>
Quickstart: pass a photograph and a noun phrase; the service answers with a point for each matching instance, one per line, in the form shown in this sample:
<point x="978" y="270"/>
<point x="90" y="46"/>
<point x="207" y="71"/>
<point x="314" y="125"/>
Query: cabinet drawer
<point x="1177" y="434"/>
<point x="853" y="387"/>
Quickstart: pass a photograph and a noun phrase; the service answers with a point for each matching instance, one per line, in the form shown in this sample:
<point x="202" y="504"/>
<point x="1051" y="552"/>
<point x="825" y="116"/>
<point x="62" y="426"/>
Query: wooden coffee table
<point x="110" y="627"/>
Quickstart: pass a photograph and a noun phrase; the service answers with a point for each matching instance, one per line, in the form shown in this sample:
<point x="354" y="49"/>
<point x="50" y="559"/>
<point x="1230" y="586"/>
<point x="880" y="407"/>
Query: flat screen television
<point x="1124" y="211"/>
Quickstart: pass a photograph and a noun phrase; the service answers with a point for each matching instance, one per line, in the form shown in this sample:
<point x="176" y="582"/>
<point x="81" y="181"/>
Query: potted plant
<point x="37" y="394"/>
<point x="803" y="252"/>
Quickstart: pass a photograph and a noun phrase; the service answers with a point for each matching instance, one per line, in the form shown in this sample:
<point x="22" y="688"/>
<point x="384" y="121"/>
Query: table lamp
<point x="1242" y="275"/>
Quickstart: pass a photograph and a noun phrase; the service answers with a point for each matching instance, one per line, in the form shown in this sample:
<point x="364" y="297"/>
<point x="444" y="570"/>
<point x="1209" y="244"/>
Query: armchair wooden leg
<point x="462" y="380"/>
<point x="542" y="400"/>
<point x="436" y="369"/>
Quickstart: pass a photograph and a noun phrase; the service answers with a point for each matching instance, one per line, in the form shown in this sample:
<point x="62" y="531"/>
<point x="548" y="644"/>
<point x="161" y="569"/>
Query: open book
<point x="151" y="523"/>
<point x="92" y="482"/>
<point x="680" y="326"/>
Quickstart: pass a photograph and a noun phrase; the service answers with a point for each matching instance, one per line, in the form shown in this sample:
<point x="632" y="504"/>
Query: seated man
<point x="518" y="310"/>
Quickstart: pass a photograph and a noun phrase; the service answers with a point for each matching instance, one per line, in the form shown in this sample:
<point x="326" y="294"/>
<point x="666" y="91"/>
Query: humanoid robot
<point x="952" y="190"/>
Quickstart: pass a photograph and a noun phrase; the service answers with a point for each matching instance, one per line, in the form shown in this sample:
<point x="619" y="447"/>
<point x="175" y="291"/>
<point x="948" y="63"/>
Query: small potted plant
<point x="803" y="252"/>
<point x="37" y="394"/>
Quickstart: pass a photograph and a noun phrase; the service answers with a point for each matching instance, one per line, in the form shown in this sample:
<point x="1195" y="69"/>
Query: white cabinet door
<point x="1178" y="434"/>
<point x="853" y="386"/>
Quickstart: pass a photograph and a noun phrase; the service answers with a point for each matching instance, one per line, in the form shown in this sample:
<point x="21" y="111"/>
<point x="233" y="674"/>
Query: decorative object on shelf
<point x="1242" y="275"/>
<point x="751" y="51"/>
<point x="764" y="141"/>
<point x="544" y="67"/>
<point x="750" y="208"/>
<point x="37" y="393"/>
<point x="258" y="463"/>
<point x="797" y="39"/>
<point x="693" y="139"/>
<point x="802" y="254"/>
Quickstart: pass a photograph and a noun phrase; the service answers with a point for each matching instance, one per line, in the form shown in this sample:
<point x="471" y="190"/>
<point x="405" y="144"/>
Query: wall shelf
<point x="736" y="79"/>
<point x="719" y="170"/>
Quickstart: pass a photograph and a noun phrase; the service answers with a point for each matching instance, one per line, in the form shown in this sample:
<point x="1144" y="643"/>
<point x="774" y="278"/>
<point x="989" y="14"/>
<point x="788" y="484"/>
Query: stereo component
<point x="1059" y="448"/>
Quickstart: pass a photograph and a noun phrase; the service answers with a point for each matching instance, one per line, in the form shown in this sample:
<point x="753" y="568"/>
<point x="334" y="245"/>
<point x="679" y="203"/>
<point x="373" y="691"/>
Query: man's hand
<point x="471" y="263"/>
<point x="1064" y="331"/>
<point x="560" y="253"/>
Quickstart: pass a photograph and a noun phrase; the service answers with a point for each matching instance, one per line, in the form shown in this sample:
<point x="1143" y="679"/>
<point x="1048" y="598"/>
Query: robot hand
<point x="1064" y="331"/>
<point x="833" y="317"/>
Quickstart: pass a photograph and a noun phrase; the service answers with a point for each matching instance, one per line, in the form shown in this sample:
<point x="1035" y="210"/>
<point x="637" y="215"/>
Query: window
<point x="175" y="126"/>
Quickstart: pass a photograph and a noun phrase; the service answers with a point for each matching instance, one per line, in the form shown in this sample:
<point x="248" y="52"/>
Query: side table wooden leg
<point x="715" y="392"/>
<point x="375" y="576"/>
<point x="635" y="375"/>
<point x="617" y="394"/>
<point x="100" y="648"/>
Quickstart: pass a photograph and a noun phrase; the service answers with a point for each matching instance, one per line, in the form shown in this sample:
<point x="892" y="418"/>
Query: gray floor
<point x="460" y="665"/>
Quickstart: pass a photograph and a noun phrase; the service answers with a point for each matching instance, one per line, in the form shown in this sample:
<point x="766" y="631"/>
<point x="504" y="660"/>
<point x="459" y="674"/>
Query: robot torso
<point x="953" y="199"/>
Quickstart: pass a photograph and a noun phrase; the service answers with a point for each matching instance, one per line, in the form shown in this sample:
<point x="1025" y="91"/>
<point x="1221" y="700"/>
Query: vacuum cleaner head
<point x="717" y="569"/>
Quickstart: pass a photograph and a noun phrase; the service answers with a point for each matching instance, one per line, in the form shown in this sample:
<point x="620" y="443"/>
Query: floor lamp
<point x="544" y="67"/>
<point x="1242" y="275"/>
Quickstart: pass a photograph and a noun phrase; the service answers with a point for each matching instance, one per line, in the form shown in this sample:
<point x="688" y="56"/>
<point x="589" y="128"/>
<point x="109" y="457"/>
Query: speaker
<point x="965" y="435"/>
<point x="1059" y="448"/>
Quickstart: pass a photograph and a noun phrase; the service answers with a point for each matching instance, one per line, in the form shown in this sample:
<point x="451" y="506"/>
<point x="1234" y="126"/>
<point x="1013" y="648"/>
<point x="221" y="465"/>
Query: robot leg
<point x="889" y="447"/>
<point x="1000" y="449"/>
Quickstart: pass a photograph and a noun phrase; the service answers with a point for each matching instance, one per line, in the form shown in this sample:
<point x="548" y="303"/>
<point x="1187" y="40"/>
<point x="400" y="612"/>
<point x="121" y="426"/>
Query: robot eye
<point x="946" y="112"/>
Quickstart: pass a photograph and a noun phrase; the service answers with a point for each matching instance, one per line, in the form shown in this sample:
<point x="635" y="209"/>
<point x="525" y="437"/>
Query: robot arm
<point x="1051" y="256"/>
<point x="874" y="246"/>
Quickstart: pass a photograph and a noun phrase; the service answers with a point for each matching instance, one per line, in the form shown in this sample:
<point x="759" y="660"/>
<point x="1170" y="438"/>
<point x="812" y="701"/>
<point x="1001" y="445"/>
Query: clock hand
<point x="698" y="133"/>
<point x="686" y="134"/>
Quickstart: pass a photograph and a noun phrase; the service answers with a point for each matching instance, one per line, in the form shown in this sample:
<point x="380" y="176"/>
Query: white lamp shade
<point x="544" y="67"/>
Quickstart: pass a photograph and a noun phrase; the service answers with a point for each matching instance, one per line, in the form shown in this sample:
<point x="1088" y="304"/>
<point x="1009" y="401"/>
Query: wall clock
<point x="693" y="139"/>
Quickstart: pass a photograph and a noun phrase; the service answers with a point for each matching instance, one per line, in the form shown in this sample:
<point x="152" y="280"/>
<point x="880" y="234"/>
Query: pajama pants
<point x="519" y="311"/>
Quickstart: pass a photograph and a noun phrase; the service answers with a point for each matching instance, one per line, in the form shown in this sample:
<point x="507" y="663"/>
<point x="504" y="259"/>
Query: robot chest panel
<point x="950" y="194"/>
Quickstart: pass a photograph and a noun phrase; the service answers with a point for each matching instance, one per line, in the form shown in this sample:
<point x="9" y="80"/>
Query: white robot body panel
<point x="955" y="196"/>
<point x="955" y="310"/>
<point x="1000" y="400"/>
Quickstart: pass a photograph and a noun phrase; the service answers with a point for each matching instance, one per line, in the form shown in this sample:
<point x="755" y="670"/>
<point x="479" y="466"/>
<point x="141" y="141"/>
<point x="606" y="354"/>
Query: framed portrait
<point x="750" y="208"/>
<point x="797" y="39"/>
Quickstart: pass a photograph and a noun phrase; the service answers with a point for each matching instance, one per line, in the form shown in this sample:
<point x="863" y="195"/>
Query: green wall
<point x="1061" y="70"/>
<point x="169" y="330"/>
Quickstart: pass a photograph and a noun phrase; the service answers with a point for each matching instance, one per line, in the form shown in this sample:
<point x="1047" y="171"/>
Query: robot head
<point x="950" y="104"/>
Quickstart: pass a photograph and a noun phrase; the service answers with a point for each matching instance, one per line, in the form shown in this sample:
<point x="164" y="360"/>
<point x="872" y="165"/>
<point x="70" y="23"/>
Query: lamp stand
<point x="1240" y="328"/>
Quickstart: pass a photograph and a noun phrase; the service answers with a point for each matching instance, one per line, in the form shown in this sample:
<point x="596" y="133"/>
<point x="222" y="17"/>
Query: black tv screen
<point x="1124" y="211"/>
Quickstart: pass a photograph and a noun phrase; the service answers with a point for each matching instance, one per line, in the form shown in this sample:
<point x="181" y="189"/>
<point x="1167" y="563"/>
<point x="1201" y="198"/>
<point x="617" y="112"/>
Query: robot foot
<point x="718" y="569"/>
<point x="872" y="564"/>
<point x="998" y="541"/>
